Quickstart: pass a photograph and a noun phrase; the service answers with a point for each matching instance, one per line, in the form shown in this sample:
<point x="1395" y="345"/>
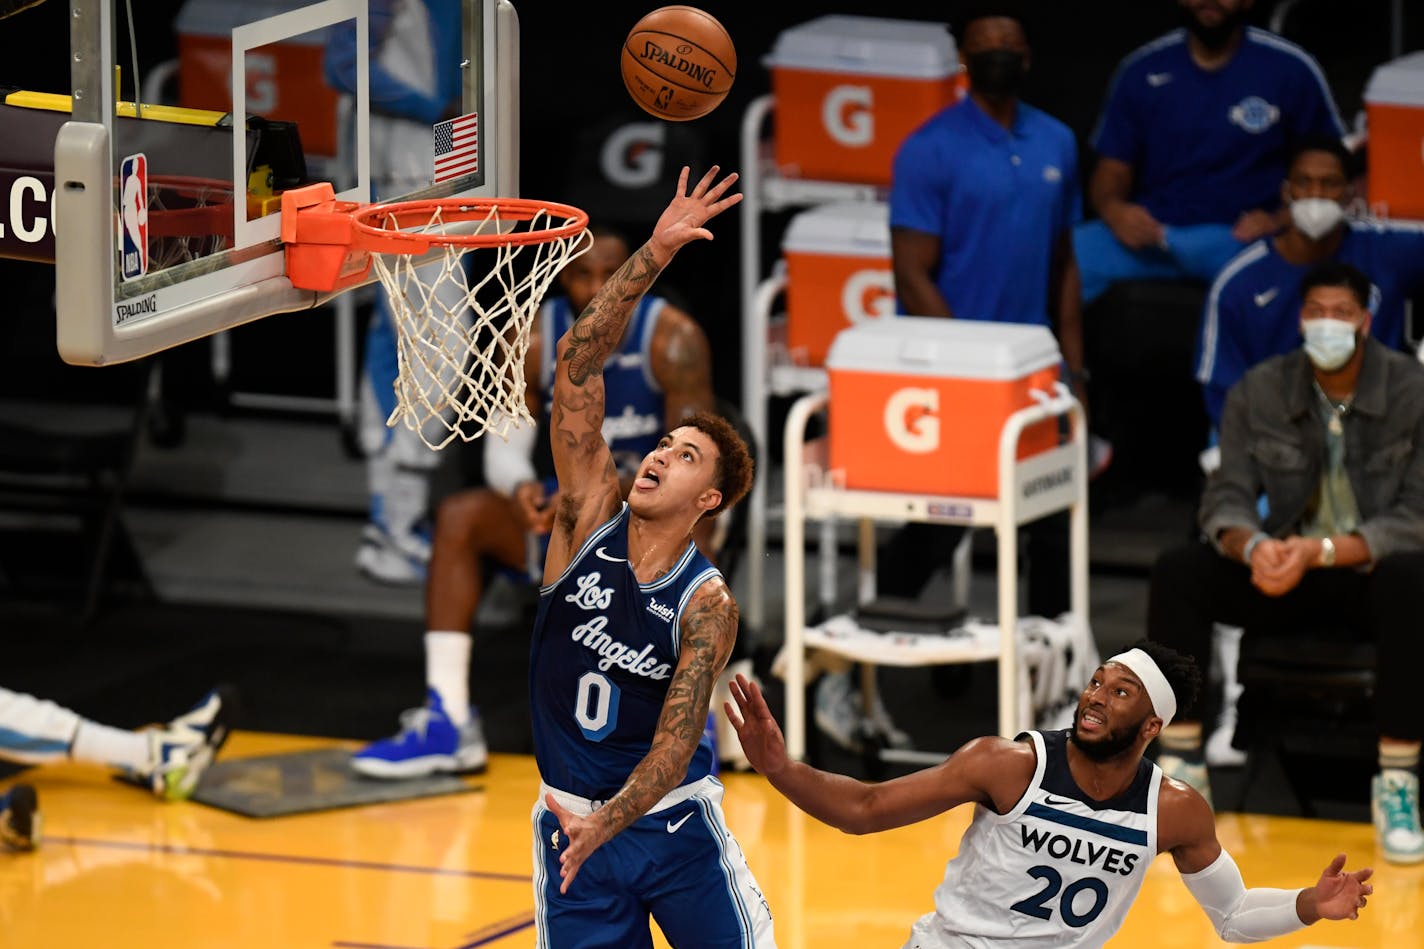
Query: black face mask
<point x="1212" y="37"/>
<point x="996" y="72"/>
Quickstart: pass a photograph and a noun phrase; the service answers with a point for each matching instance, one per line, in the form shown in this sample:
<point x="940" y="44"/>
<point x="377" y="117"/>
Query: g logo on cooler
<point x="868" y="295"/>
<point x="846" y="114"/>
<point x="912" y="420"/>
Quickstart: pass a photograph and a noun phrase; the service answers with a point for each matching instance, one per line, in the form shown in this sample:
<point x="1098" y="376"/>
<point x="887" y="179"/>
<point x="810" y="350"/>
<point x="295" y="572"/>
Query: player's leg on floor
<point x="446" y="735"/>
<point x="600" y="910"/>
<point x="35" y="731"/>
<point x="703" y="894"/>
<point x="170" y="759"/>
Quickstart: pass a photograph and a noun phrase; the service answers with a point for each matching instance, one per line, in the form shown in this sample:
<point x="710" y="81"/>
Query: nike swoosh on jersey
<point x="602" y="556"/>
<point x="673" y="828"/>
<point x="1156" y="79"/>
<point x="1266" y="296"/>
<point x="1059" y="801"/>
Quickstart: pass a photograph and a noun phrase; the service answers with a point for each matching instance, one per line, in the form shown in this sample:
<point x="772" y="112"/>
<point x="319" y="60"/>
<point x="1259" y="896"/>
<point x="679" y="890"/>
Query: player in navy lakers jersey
<point x="634" y="626"/>
<point x="659" y="373"/>
<point x="1065" y="823"/>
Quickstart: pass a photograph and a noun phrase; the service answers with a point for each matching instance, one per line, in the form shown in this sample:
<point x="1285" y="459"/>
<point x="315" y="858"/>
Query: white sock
<point x="115" y="747"/>
<point x="447" y="671"/>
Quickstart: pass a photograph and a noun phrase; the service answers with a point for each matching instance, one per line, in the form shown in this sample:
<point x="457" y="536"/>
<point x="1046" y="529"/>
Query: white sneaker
<point x="386" y="558"/>
<point x="181" y="751"/>
<point x="838" y="712"/>
<point x="1219" y="751"/>
<point x="1394" y="805"/>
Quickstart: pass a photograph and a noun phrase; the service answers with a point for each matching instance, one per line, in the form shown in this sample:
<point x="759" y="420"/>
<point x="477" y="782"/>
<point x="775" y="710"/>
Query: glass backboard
<point x="166" y="211"/>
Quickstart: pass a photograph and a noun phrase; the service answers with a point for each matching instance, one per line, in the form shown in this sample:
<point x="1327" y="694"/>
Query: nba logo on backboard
<point x="133" y="216"/>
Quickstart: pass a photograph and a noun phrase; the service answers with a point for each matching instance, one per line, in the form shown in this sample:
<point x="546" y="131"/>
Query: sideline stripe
<point x="180" y="850"/>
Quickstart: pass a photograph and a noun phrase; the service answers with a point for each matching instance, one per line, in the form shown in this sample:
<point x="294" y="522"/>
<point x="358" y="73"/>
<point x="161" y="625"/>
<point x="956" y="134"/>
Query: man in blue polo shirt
<point x="1191" y="147"/>
<point x="985" y="195"/>
<point x="1252" y="311"/>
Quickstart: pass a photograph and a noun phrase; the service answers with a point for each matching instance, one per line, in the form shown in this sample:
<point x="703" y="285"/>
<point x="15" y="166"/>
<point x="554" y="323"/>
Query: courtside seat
<point x="1309" y="699"/>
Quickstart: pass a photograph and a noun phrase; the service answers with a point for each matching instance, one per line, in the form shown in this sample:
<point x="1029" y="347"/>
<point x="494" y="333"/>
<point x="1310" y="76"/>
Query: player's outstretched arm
<point x="588" y="480"/>
<point x="1214" y="880"/>
<point x="990" y="771"/>
<point x="709" y="627"/>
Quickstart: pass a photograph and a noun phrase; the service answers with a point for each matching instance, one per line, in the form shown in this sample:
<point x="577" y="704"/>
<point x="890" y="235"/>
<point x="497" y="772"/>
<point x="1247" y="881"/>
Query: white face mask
<point x="1316" y="217"/>
<point x="1329" y="343"/>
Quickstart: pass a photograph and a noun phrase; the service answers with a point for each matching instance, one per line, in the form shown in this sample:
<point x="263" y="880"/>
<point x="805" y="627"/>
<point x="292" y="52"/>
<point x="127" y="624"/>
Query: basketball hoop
<point x="462" y="324"/>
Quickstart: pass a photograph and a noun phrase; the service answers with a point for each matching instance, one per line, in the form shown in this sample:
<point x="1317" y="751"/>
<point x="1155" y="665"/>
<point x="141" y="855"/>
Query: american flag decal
<point x="457" y="147"/>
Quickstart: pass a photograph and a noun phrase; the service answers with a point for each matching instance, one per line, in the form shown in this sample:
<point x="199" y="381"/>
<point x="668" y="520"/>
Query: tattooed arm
<point x="709" y="627"/>
<point x="588" y="481"/>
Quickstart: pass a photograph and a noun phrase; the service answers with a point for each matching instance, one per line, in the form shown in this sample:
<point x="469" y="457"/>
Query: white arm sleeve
<point x="1239" y="914"/>
<point x="510" y="462"/>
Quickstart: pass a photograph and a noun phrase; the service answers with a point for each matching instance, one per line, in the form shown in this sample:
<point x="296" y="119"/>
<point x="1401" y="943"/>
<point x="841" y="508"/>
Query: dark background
<point x="570" y="85"/>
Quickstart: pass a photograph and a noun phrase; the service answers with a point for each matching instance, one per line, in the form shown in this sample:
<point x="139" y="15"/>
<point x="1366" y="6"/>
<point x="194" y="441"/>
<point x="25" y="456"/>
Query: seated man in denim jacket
<point x="1332" y="435"/>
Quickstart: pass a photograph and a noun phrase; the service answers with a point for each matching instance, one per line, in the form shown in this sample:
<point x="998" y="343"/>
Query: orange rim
<point x="380" y="228"/>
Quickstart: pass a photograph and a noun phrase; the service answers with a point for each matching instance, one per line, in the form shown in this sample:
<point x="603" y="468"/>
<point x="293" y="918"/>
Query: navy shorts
<point x="680" y="866"/>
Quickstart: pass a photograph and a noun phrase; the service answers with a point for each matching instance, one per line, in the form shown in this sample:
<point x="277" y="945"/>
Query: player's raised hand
<point x="585" y="835"/>
<point x="1341" y="895"/>
<point x="684" y="219"/>
<point x="757" y="730"/>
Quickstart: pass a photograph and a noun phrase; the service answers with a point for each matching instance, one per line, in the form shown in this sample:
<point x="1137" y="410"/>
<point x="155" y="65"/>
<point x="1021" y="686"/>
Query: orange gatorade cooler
<point x="1394" y="103"/>
<point x="917" y="403"/>
<point x="838" y="274"/>
<point x="850" y="88"/>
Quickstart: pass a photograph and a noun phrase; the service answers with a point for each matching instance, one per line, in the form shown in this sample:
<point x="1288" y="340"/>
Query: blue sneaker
<point x="1394" y="799"/>
<point x="19" y="818"/>
<point x="428" y="743"/>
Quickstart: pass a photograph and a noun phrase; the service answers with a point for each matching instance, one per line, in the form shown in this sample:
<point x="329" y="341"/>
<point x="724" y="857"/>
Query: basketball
<point x="678" y="63"/>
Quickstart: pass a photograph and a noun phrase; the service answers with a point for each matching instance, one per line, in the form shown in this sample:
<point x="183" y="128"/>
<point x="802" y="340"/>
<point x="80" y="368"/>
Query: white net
<point x="462" y="317"/>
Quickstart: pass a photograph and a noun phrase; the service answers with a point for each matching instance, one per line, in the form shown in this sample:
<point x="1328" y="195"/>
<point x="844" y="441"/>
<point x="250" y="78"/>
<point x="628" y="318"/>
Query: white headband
<point x="1164" y="700"/>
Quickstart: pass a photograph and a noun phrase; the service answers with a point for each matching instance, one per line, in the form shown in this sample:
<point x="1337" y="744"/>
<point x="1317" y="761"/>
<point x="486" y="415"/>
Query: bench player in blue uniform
<point x="1065" y="823"/>
<point x="634" y="626"/>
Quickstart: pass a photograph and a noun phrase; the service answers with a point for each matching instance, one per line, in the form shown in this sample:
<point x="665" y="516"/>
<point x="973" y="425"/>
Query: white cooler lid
<point x="852" y="228"/>
<point x="863" y="45"/>
<point x="930" y="346"/>
<point x="1400" y="82"/>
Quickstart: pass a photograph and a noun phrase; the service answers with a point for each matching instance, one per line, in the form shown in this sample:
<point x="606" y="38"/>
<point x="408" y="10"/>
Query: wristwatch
<point x="1327" y="552"/>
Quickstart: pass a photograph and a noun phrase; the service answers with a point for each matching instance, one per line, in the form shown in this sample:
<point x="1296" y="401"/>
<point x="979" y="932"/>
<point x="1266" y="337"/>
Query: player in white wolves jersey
<point x="1065" y="823"/>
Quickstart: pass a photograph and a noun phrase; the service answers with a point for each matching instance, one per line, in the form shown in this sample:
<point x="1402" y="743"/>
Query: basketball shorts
<point x="678" y="864"/>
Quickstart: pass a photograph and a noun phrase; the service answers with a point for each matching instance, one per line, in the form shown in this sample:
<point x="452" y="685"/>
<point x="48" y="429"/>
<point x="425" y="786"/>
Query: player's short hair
<point x="735" y="468"/>
<point x="1320" y="142"/>
<point x="1180" y="671"/>
<point x="972" y="10"/>
<point x="1336" y="273"/>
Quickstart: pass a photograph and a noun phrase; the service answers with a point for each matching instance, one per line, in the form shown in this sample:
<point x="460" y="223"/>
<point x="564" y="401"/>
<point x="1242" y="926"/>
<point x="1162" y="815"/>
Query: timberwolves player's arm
<point x="1186" y="828"/>
<point x="991" y="771"/>
<point x="589" y="491"/>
